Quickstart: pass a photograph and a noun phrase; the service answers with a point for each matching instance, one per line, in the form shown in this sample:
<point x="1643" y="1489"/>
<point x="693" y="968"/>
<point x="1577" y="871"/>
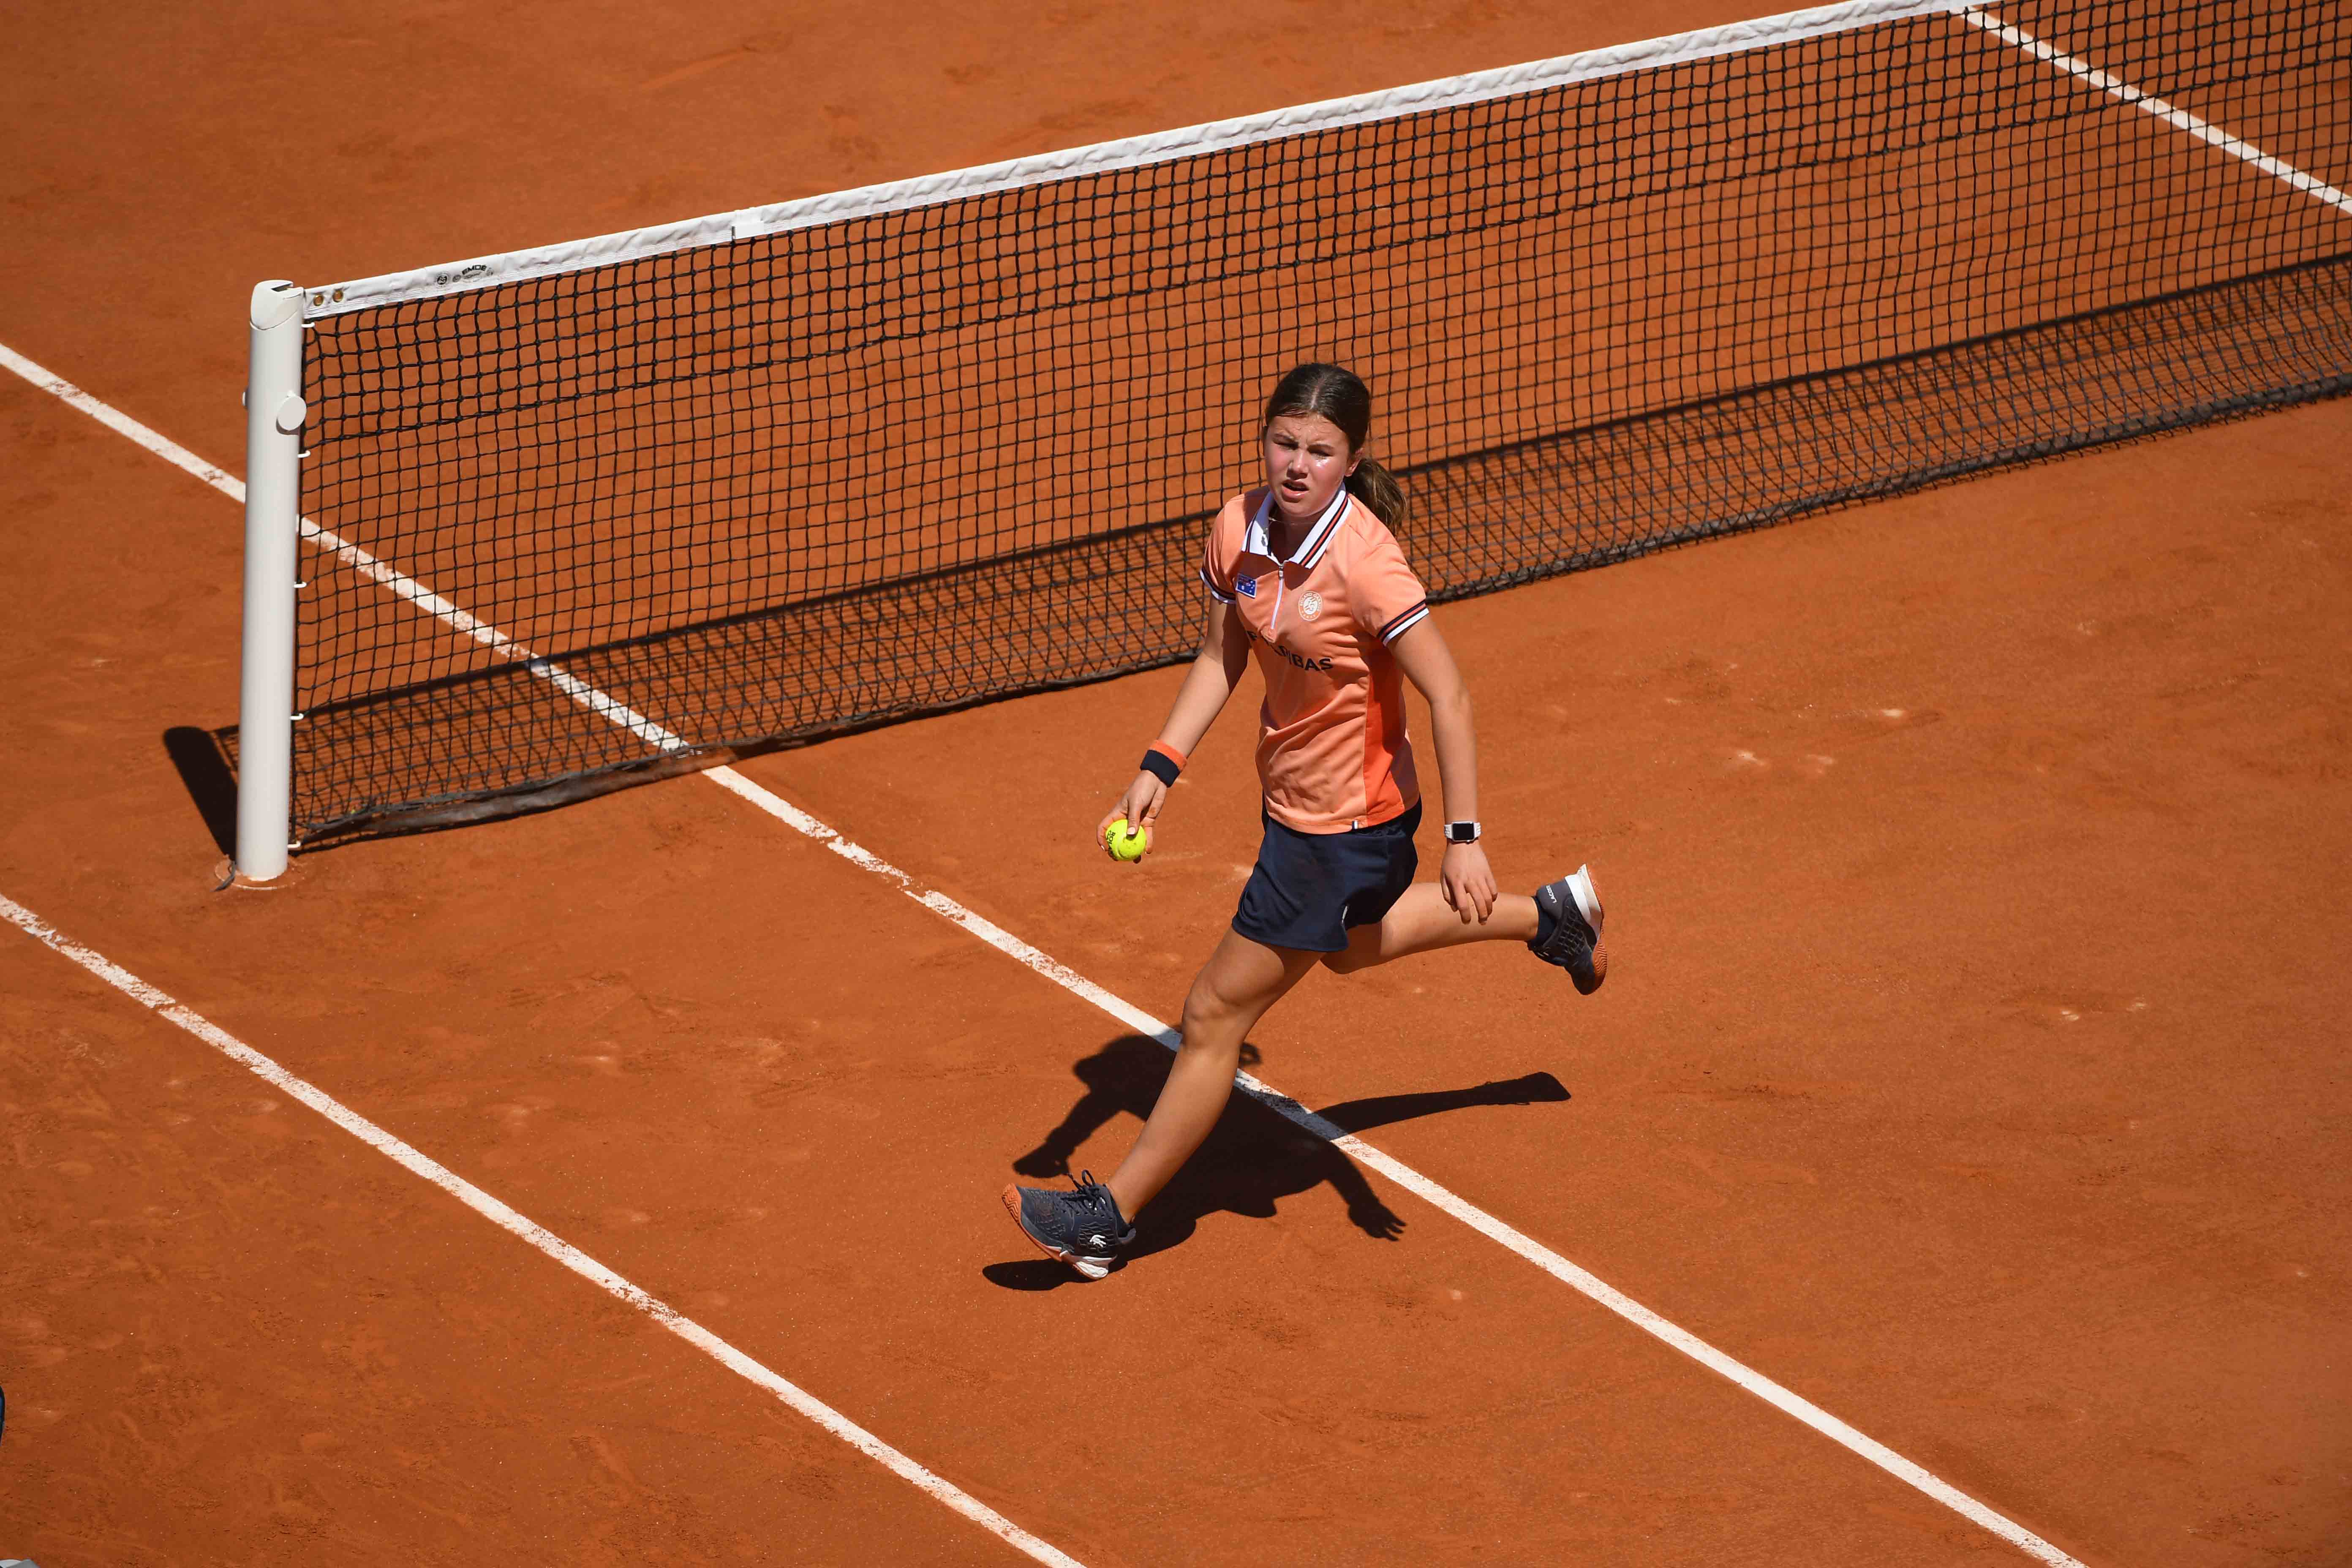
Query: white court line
<point x="1477" y="1219"/>
<point x="399" y="584"/>
<point x="537" y="1235"/>
<point x="2178" y="119"/>
<point x="1412" y="1181"/>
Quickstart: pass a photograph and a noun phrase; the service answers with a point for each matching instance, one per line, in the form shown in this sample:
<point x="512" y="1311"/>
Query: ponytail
<point x="1379" y="490"/>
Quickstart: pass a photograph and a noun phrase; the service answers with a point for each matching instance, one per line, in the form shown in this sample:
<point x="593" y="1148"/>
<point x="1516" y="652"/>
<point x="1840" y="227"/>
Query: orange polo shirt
<point x="1332" y="753"/>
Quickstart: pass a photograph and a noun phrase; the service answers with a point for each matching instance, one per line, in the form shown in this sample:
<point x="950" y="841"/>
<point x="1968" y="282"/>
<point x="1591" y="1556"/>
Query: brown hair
<point x="1335" y="393"/>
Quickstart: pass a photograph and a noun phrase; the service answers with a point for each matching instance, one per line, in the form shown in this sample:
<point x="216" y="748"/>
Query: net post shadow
<point x="203" y="764"/>
<point x="1252" y="1160"/>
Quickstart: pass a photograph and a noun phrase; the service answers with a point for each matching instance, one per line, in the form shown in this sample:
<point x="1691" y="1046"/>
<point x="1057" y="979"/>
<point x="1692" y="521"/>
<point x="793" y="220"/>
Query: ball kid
<point x="1304" y="576"/>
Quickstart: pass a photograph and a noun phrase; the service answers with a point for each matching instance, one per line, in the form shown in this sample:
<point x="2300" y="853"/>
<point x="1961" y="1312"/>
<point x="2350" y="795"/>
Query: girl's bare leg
<point x="1422" y="922"/>
<point x="1240" y="981"/>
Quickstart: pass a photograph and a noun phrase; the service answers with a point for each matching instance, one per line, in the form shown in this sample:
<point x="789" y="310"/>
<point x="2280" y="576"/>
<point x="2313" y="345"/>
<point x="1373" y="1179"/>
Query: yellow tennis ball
<point x="1125" y="845"/>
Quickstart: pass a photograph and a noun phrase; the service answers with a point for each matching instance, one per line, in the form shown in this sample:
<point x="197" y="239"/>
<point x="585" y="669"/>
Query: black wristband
<point x="1159" y="765"/>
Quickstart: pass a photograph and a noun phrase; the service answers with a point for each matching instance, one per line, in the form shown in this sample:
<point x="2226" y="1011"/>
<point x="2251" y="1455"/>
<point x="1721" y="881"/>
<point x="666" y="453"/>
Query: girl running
<point x="1304" y="573"/>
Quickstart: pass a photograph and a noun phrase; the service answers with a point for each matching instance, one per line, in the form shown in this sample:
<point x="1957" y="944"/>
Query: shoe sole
<point x="1587" y="904"/>
<point x="1087" y="1269"/>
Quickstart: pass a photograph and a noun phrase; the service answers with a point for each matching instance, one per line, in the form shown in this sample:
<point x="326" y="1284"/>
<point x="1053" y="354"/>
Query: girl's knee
<point x="1204" y="1009"/>
<point x="1216" y="1008"/>
<point x="1240" y="981"/>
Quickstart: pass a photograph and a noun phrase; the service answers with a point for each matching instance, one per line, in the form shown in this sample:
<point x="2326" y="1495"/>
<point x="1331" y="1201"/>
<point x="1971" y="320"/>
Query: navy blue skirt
<point x="1308" y="887"/>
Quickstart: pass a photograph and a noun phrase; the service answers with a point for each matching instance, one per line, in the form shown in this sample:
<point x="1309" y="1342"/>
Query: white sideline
<point x="537" y="1235"/>
<point x="1589" y="1284"/>
<point x="2178" y="119"/>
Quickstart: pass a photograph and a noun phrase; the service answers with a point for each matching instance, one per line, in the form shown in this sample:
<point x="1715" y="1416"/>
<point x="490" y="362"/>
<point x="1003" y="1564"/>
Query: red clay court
<point x="1952" y="1170"/>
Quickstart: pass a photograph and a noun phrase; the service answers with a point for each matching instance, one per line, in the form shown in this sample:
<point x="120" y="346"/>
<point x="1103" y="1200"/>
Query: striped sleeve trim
<point x="1214" y="592"/>
<point x="1404" y="623"/>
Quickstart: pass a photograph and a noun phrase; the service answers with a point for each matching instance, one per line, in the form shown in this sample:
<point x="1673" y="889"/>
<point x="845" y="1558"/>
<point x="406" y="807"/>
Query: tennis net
<point x="585" y="513"/>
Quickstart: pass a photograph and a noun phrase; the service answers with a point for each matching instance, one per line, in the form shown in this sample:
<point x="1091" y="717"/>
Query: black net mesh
<point x="770" y="488"/>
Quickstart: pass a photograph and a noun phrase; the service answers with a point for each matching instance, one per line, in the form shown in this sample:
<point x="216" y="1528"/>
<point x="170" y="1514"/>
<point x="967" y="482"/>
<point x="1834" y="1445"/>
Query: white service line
<point x="1136" y="1018"/>
<point x="537" y="1235"/>
<point x="2178" y="119"/>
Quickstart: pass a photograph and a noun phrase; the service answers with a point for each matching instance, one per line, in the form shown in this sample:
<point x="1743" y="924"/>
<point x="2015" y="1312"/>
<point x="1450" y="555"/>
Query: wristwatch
<point x="1461" y="833"/>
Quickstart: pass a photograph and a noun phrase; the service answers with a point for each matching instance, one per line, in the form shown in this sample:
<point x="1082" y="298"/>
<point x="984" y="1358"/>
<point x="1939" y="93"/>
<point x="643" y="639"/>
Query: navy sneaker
<point x="1568" y="929"/>
<point x="1082" y="1228"/>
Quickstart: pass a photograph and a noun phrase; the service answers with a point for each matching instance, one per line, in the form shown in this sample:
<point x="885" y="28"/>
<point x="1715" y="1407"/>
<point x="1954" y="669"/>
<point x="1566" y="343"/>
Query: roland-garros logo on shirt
<point x="1310" y="604"/>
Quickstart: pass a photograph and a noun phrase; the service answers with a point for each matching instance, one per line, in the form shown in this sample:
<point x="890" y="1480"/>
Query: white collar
<point x="1258" y="542"/>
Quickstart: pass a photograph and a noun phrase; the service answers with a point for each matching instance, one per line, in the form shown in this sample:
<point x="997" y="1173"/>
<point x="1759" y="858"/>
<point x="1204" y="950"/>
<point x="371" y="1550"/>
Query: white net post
<point x="274" y="412"/>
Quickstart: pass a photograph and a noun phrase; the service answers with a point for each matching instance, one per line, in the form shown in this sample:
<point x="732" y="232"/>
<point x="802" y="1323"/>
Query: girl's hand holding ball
<point x="1139" y="804"/>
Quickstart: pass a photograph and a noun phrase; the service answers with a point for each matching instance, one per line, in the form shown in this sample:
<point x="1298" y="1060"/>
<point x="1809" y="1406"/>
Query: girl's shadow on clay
<point x="1251" y="1161"/>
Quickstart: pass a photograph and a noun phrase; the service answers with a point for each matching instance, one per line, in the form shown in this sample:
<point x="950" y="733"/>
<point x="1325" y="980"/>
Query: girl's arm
<point x="1428" y="663"/>
<point x="1216" y="670"/>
